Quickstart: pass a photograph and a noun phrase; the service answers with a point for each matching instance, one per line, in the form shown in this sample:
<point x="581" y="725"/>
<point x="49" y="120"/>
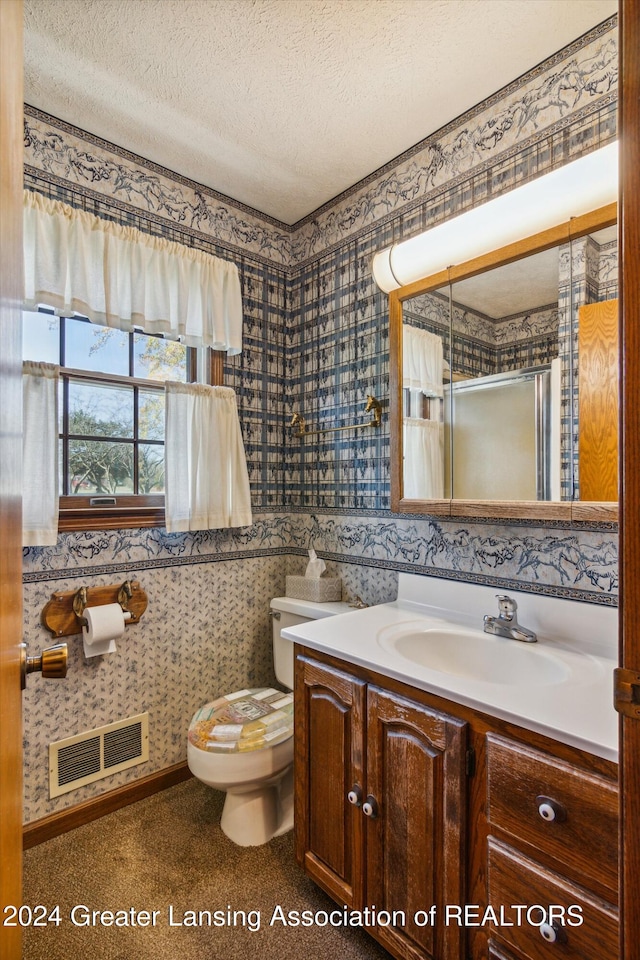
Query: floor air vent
<point x="97" y="753"/>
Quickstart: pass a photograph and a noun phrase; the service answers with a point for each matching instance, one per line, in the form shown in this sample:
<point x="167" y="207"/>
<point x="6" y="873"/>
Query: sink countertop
<point x="578" y="712"/>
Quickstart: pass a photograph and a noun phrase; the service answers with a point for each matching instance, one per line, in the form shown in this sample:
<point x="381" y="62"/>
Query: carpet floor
<point x="168" y="854"/>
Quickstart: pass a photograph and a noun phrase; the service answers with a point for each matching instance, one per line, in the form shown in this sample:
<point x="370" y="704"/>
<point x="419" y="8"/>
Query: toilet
<point x="242" y="742"/>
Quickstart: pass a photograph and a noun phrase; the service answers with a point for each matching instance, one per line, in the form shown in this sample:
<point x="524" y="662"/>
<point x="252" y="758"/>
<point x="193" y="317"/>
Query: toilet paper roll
<point x="104" y="625"/>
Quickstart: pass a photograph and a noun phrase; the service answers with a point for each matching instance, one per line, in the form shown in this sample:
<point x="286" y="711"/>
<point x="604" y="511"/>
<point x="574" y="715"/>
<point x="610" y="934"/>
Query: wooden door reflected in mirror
<point x="598" y="400"/>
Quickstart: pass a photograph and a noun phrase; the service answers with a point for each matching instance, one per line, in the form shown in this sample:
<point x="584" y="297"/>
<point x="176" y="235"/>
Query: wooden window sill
<point x="129" y="511"/>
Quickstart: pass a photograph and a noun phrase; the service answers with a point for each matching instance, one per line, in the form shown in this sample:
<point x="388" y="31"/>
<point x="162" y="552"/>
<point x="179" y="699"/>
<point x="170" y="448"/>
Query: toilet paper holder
<point x="80" y="601"/>
<point x="63" y="615"/>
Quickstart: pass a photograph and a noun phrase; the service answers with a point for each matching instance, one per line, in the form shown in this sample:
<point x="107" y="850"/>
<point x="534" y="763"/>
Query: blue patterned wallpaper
<point x="316" y="341"/>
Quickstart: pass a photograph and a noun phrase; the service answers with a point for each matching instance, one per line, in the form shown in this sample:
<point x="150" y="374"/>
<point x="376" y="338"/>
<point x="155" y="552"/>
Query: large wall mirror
<point x="504" y="380"/>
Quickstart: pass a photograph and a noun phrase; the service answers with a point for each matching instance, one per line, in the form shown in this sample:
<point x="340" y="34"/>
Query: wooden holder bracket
<point x="62" y="615"/>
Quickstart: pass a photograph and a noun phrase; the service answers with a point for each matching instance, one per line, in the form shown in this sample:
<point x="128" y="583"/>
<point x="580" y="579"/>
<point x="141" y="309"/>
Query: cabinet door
<point x="329" y="758"/>
<point x="415" y="839"/>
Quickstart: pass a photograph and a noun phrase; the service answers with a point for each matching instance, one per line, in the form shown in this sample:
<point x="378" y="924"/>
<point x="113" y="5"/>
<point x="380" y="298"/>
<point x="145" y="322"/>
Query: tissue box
<point x="322" y="589"/>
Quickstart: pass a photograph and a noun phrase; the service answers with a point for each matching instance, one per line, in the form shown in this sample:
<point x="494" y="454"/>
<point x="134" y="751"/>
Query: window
<point x="111" y="417"/>
<point x="111" y="434"/>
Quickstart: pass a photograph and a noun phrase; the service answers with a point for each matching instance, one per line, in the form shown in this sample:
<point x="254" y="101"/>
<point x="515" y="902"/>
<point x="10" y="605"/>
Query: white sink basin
<point x="477" y="655"/>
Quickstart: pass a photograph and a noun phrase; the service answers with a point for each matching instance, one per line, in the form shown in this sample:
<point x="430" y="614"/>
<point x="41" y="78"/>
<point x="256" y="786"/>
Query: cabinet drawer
<point x="568" y="813"/>
<point x="514" y="879"/>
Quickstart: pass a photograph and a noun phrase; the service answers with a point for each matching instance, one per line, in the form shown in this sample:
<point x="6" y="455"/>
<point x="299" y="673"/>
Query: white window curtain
<point x="423" y="446"/>
<point x="206" y="478"/>
<point x="422" y="361"/>
<point x="120" y="277"/>
<point x="39" y="454"/>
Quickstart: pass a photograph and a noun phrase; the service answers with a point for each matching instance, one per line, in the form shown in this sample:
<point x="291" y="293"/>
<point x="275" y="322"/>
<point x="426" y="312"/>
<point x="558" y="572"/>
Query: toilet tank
<point x="287" y="612"/>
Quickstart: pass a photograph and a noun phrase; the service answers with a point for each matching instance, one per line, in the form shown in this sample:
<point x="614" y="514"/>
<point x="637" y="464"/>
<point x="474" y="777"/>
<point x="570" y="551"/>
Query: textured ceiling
<point x="282" y="104"/>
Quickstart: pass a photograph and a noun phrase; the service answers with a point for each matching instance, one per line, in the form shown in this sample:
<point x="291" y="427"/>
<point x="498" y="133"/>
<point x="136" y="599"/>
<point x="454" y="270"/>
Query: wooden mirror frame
<point x="491" y="509"/>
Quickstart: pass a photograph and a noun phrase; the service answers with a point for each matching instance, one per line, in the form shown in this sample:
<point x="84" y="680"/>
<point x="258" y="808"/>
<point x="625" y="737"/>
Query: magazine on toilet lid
<point x="243" y="721"/>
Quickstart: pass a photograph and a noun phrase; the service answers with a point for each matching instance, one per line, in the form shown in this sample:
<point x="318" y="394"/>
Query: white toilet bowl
<point x="259" y="788"/>
<point x="258" y="781"/>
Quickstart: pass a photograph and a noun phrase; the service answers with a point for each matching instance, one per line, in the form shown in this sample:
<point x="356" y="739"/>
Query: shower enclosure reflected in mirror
<point x="488" y="414"/>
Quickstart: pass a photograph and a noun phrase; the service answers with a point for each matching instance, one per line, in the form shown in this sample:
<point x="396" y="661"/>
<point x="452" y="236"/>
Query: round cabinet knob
<point x="370" y="807"/>
<point x="355" y="796"/>
<point x="553" y="933"/>
<point x="546" y="811"/>
<point x="551" y="810"/>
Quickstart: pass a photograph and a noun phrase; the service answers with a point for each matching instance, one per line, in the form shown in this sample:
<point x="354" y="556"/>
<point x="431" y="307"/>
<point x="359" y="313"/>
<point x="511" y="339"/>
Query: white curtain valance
<point x="206" y="478"/>
<point x="423" y="446"/>
<point x="120" y="277"/>
<point x="422" y="361"/>
<point x="39" y="454"/>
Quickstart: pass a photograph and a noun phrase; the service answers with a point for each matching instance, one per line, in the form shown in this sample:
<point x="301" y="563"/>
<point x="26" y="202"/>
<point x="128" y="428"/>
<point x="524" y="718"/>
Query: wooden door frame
<point x="629" y="556"/>
<point x="11" y="148"/>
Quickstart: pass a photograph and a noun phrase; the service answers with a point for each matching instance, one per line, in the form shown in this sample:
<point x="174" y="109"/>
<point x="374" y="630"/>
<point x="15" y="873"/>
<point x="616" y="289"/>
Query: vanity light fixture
<point x="571" y="190"/>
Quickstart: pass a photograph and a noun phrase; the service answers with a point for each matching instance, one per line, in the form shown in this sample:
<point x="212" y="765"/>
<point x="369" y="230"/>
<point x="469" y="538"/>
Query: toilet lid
<point x="242" y="721"/>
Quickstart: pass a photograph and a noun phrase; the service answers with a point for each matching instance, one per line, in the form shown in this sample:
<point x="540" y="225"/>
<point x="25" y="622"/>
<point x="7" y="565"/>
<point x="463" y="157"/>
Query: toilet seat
<point x="243" y="721"/>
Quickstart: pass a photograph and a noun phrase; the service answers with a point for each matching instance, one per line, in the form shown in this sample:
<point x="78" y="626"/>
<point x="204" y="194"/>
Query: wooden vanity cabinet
<point x="380" y="805"/>
<point x="405" y="800"/>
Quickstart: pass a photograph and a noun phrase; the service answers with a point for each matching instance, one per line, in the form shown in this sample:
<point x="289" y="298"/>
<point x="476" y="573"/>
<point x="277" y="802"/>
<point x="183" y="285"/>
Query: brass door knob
<point x="52" y="663"/>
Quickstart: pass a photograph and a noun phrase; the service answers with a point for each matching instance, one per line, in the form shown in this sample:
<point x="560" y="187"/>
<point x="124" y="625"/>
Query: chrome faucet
<point x="506" y="623"/>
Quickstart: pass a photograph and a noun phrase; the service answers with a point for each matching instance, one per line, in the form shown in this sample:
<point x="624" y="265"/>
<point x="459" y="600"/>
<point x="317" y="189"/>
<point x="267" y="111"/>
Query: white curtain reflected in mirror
<point x="425" y="339"/>
<point x="423" y="442"/>
<point x="422" y="361"/>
